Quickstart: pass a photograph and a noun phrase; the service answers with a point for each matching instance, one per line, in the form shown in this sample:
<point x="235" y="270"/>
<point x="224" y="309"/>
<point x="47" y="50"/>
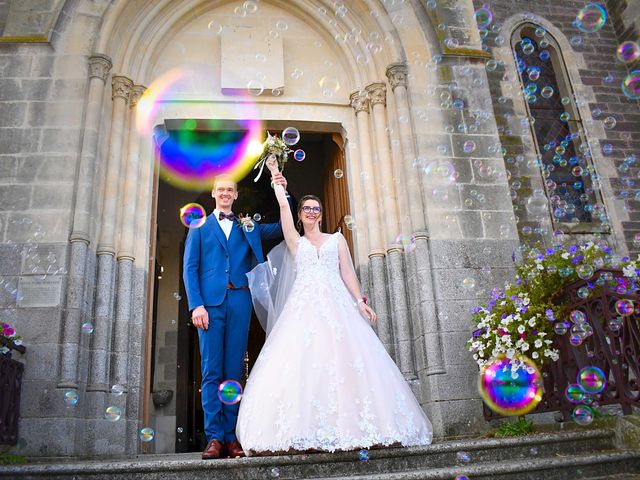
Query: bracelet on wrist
<point x="362" y="300"/>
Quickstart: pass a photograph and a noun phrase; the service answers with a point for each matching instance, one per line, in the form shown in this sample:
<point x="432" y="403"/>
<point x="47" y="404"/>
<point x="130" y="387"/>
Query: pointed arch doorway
<point x="174" y="357"/>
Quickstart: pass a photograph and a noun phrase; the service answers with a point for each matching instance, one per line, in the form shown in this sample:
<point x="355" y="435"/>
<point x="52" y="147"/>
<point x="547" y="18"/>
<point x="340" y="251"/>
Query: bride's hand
<point x="368" y="313"/>
<point x="272" y="164"/>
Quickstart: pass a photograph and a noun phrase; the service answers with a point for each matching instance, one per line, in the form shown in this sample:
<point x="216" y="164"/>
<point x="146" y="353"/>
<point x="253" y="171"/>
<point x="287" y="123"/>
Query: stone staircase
<point x="598" y="453"/>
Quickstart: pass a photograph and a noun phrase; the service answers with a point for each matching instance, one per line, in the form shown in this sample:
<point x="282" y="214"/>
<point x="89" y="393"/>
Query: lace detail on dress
<point x="323" y="379"/>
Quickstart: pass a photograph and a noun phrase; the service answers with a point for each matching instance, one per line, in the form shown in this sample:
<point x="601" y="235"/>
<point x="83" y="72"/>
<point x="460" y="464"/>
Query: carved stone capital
<point x="397" y="75"/>
<point x="99" y="66"/>
<point x="136" y="92"/>
<point x="121" y="87"/>
<point x="360" y="101"/>
<point x="377" y="93"/>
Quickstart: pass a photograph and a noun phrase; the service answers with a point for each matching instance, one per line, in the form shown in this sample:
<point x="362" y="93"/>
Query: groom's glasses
<point x="315" y="210"/>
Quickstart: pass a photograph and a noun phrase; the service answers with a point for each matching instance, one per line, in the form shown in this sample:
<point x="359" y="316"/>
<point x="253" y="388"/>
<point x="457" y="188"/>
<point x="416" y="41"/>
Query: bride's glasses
<point x="307" y="209"/>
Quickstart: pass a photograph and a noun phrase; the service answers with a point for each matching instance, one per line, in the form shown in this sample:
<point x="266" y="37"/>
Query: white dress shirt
<point x="225" y="223"/>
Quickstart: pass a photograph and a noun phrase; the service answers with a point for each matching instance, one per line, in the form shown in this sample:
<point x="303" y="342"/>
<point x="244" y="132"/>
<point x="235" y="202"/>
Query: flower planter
<point x="10" y="388"/>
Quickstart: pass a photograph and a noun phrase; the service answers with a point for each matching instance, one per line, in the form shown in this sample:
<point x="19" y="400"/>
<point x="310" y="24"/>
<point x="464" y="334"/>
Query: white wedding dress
<point x="323" y="379"/>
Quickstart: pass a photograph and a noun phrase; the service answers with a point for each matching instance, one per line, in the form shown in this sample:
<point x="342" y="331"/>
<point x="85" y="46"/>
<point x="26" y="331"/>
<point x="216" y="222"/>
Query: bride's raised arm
<point x="291" y="236"/>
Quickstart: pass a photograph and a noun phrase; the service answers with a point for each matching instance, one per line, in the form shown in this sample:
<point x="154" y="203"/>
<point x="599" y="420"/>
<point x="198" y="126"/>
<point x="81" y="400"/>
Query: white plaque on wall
<point x="39" y="292"/>
<point x="251" y="59"/>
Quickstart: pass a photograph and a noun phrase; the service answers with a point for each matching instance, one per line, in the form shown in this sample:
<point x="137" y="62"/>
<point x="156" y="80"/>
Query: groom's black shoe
<point x="234" y="449"/>
<point x="214" y="450"/>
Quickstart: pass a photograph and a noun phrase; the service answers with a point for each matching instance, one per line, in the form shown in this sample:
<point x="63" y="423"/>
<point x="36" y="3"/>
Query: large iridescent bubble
<point x="631" y="85"/>
<point x="591" y="18"/>
<point x="192" y="152"/>
<point x="511" y="392"/>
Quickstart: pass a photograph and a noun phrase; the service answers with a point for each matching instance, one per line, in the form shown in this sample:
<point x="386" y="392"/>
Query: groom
<point x="217" y="257"/>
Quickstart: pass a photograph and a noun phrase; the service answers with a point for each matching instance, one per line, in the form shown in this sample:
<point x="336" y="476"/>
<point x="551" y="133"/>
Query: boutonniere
<point x="246" y="223"/>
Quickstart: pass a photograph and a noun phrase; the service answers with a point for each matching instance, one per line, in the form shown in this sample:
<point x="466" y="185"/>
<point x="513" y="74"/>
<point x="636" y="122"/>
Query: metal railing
<point x="613" y="347"/>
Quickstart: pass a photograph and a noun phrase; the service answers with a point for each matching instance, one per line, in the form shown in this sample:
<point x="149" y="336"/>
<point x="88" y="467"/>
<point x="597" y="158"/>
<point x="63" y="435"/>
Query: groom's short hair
<point x="222" y="177"/>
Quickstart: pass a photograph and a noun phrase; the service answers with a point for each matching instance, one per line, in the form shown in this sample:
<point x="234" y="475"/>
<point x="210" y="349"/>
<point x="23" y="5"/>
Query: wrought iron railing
<point x="613" y="347"/>
<point x="10" y="387"/>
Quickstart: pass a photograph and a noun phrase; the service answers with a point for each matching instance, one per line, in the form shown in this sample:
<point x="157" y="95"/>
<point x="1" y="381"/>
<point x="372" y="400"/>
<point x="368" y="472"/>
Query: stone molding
<point x="359" y="101"/>
<point x="99" y="66"/>
<point x="136" y="93"/>
<point x="377" y="93"/>
<point x="397" y="75"/>
<point x="121" y="87"/>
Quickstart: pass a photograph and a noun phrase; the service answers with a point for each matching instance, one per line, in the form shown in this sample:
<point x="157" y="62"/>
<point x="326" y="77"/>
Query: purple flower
<point x="590" y="285"/>
<point x="513" y="256"/>
<point x="479" y="331"/>
<point x="534" y="332"/>
<point x="518" y="281"/>
<point x="550" y="251"/>
<point x="540" y="257"/>
<point x="523" y="309"/>
<point x="625" y="259"/>
<point x="573" y="249"/>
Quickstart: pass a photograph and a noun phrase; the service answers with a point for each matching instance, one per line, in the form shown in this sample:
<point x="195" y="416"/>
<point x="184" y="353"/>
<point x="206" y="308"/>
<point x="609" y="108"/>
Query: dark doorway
<point x="175" y="352"/>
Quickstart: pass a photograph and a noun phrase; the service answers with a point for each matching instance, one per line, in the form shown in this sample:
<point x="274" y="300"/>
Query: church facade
<point x="423" y="106"/>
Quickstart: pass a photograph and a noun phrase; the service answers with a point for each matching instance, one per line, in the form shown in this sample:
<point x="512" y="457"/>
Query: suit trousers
<point x="222" y="350"/>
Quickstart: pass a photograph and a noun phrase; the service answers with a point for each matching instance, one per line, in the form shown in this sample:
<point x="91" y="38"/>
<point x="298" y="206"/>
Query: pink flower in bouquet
<point x="7" y="331"/>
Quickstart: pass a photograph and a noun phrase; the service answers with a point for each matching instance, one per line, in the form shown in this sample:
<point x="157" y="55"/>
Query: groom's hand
<point x="200" y="318"/>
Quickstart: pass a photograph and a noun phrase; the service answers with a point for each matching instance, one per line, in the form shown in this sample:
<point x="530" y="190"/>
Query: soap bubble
<point x="338" y="173"/>
<point x="592" y="380"/>
<point x="631" y="85"/>
<point x="582" y="415"/>
<point x="560" y="328"/>
<point x="547" y="92"/>
<point x="469" y="146"/>
<point x="616" y="324"/>
<point x="574" y="393"/>
<point x="484" y="17"/>
<point x="146" y="434"/>
<point x="299" y="155"/>
<point x="113" y="413"/>
<point x="584" y="271"/>
<point x="71" y="398"/>
<point x="511" y="392"/>
<point x="624" y="307"/>
<point x="469" y="283"/>
<point x="248" y="226"/>
<point x="537" y="204"/>
<point x="290" y="136"/>
<point x="628" y="52"/>
<point x="274" y="472"/>
<point x="363" y="455"/>
<point x="407" y="241"/>
<point x="577" y="316"/>
<point x="591" y="18"/>
<point x="463" y="457"/>
<point x="609" y="122"/>
<point x="230" y="392"/>
<point x="87" y="328"/>
<point x="117" y="390"/>
<point x="193" y="215"/>
<point x="257" y="217"/>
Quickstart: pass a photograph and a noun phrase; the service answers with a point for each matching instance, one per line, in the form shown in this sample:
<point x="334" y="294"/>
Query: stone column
<point x="360" y="103"/>
<point x="98" y="377"/>
<point x="420" y="273"/>
<point x="125" y="256"/>
<point x="394" y="260"/>
<point x="99" y="66"/>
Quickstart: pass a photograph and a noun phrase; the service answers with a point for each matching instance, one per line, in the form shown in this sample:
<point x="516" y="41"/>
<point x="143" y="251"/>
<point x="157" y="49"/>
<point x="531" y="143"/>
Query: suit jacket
<point x="211" y="261"/>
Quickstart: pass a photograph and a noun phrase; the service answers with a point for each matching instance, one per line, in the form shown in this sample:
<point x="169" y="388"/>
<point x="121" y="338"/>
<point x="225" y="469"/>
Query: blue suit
<point x="211" y="262"/>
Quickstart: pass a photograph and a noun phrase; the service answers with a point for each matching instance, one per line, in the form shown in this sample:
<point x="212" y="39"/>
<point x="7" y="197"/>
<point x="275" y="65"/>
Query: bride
<point x="323" y="380"/>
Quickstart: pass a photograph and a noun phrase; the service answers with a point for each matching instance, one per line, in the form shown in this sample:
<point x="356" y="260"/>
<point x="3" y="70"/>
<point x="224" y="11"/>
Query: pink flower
<point x="523" y="335"/>
<point x="8" y="331"/>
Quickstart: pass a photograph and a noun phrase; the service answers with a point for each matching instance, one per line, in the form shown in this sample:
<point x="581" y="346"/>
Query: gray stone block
<point x="471" y="253"/>
<point x="39" y="325"/>
<point x="9" y="259"/>
<point x="12" y="114"/>
<point x="456" y="417"/>
<point x="15" y="197"/>
<point x="170" y="371"/>
<point x="42" y="66"/>
<point x="455" y="350"/>
<point x="36" y="89"/>
<point x="10" y="90"/>
<point x="69" y="89"/>
<point x="8" y="169"/>
<point x="496" y="197"/>
<point x="60" y="140"/>
<point x="456" y="384"/>
<point x="46" y="437"/>
<point x="8" y="292"/>
<point x="18" y="140"/>
<point x="38" y="359"/>
<point x="455" y="315"/>
<point x="55" y="114"/>
<point x="171" y="337"/>
<point x="57" y="197"/>
<point x="14" y="66"/>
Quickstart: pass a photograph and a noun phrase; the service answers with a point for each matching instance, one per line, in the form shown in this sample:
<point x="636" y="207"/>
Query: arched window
<point x="570" y="181"/>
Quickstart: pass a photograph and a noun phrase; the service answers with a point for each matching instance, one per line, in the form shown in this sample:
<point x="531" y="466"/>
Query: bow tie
<point x="230" y="216"/>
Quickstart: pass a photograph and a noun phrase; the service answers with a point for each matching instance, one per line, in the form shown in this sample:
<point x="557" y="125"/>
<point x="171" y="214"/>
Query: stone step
<point x="509" y="457"/>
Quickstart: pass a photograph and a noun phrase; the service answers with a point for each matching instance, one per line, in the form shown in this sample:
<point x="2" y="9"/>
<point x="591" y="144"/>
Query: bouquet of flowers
<point x="520" y="319"/>
<point x="7" y="337"/>
<point x="272" y="146"/>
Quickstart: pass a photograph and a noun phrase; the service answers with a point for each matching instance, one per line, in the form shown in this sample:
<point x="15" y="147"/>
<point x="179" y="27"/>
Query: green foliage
<point x="517" y="428"/>
<point x="9" y="459"/>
